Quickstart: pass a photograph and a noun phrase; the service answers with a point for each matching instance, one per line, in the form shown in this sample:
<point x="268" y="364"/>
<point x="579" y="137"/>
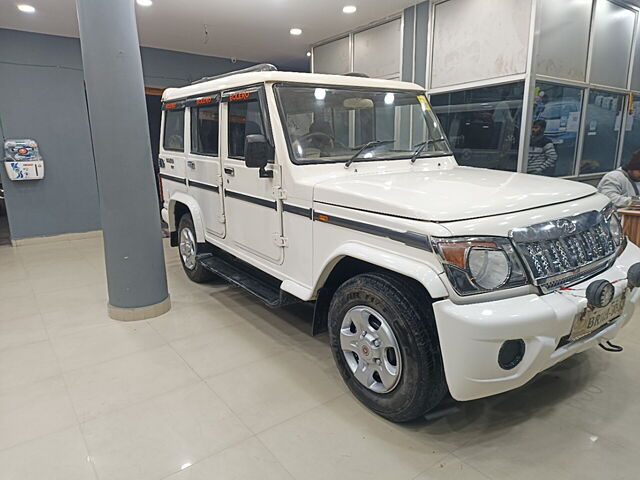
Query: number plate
<point x="593" y="318"/>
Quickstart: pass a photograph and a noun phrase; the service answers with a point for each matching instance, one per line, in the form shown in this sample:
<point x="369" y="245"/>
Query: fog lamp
<point x="633" y="275"/>
<point x="600" y="293"/>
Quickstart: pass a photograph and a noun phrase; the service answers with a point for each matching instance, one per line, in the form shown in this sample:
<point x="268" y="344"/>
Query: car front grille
<point x="565" y="251"/>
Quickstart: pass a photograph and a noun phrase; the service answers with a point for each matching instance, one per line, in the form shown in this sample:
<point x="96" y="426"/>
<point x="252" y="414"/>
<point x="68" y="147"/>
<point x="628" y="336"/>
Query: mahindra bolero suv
<point x="431" y="278"/>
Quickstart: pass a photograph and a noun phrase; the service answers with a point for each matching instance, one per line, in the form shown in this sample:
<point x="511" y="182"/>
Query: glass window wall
<point x="632" y="131"/>
<point x="601" y="132"/>
<point x="483" y="124"/>
<point x="556" y="122"/>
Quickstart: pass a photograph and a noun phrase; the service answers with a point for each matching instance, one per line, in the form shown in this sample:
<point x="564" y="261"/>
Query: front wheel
<point x="385" y="344"/>
<point x="189" y="249"/>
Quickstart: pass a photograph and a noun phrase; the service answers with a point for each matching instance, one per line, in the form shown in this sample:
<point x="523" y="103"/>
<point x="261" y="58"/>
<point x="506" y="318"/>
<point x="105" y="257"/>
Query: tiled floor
<point x="224" y="388"/>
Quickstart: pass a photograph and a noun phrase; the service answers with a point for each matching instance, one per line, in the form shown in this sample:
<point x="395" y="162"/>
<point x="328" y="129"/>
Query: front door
<point x="203" y="162"/>
<point x="253" y="217"/>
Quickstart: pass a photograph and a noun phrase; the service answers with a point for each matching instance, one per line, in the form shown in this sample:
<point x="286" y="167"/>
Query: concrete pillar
<point x="134" y="257"/>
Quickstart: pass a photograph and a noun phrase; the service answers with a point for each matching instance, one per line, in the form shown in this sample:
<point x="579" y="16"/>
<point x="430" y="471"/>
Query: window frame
<point x="192" y="109"/>
<point x="164" y="129"/>
<point x="256" y="94"/>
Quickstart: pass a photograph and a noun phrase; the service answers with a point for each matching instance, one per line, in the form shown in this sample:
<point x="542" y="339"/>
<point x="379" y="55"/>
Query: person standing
<point x="622" y="185"/>
<point x="542" y="152"/>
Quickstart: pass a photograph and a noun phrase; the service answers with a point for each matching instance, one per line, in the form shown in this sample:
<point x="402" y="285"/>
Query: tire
<point x="418" y="384"/>
<point x="188" y="248"/>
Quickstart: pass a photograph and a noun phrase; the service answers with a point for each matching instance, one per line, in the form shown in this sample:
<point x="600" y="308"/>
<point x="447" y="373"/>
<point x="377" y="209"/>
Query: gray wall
<point x="42" y="97"/>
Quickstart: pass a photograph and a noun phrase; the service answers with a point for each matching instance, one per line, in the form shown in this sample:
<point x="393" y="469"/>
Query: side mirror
<point x="257" y="153"/>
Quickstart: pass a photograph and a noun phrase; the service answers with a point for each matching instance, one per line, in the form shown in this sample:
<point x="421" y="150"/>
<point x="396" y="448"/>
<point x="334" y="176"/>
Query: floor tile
<point x="11" y="271"/>
<point x="14" y="289"/>
<point x="99" y="344"/>
<point x="269" y="391"/>
<point x="341" y="439"/>
<point x="19" y="306"/>
<point x="537" y="449"/>
<point x="33" y="410"/>
<point x="76" y="319"/>
<point x="248" y="460"/>
<point x="451" y="468"/>
<point x="71" y="298"/>
<point x="18" y="331"/>
<point x="106" y="386"/>
<point x="27" y="363"/>
<point x="227" y="348"/>
<point x="156" y="438"/>
<point x="193" y="320"/>
<point x="58" y="456"/>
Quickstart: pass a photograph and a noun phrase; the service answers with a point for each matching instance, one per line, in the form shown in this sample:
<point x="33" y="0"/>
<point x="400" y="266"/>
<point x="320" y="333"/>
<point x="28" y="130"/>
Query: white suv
<point x="430" y="277"/>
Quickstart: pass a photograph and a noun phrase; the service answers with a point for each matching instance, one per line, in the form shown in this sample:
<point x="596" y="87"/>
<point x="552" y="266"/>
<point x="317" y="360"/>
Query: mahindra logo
<point x="567" y="226"/>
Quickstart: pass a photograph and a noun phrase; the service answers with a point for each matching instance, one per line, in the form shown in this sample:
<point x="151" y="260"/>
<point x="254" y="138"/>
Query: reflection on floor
<point x="223" y="388"/>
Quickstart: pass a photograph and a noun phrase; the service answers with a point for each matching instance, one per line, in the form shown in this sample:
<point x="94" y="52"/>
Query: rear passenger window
<point x="204" y="130"/>
<point x="244" y="119"/>
<point x="173" y="130"/>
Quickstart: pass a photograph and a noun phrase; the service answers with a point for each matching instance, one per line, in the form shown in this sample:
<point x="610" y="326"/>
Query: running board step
<point x="248" y="277"/>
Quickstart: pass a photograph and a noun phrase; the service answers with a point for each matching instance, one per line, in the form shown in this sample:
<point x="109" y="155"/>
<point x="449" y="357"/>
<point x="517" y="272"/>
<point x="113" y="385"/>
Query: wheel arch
<point x="179" y="204"/>
<point x="354" y="259"/>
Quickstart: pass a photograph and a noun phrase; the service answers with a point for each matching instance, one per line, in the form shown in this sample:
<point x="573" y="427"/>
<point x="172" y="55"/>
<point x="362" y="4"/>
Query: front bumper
<point x="471" y="335"/>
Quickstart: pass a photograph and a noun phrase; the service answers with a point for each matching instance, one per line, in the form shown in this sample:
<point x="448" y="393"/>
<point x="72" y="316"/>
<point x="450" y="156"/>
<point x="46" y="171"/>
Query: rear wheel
<point x="189" y="248"/>
<point x="385" y="344"/>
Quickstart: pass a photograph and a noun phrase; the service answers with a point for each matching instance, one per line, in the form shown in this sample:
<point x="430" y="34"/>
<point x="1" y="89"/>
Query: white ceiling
<point x="253" y="30"/>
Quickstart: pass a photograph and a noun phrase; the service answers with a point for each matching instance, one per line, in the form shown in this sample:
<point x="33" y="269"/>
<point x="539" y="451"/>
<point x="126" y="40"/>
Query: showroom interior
<point x="314" y="240"/>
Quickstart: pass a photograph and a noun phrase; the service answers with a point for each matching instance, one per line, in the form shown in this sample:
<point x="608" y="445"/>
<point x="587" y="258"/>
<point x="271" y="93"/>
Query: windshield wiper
<point x="366" y="146"/>
<point x="422" y="146"/>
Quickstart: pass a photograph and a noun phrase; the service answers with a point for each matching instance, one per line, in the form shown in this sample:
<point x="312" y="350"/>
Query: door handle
<point x="229" y="171"/>
<point x="191" y="165"/>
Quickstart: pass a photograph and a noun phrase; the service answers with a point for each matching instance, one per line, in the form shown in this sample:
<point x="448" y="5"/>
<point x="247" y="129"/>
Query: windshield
<point x="333" y="124"/>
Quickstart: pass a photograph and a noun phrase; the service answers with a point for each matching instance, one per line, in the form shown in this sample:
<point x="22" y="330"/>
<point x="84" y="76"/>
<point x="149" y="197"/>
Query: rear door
<point x="171" y="161"/>
<point x="203" y="161"/>
<point x="253" y="216"/>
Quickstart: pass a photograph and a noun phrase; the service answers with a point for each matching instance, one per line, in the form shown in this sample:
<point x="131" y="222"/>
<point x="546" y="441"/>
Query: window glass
<point x="632" y="134"/>
<point x="174" y="130"/>
<point x="556" y="121"/>
<point x="483" y="124"/>
<point x="204" y="130"/>
<point x="601" y="133"/>
<point x="244" y="119"/>
<point x="333" y="124"/>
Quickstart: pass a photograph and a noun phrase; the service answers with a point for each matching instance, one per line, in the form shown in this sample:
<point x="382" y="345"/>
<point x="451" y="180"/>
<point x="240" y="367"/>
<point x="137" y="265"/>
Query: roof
<point x="251" y="78"/>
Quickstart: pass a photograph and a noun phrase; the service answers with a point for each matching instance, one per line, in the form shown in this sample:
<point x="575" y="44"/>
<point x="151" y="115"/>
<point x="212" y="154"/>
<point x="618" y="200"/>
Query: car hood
<point x="459" y="193"/>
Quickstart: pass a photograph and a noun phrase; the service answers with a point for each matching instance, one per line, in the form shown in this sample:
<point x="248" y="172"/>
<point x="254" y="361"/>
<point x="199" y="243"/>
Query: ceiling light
<point x="349" y="9"/>
<point x="144" y="3"/>
<point x="320" y="93"/>
<point x="389" y="98"/>
<point x="308" y="54"/>
<point x="295" y="31"/>
<point x="26" y="8"/>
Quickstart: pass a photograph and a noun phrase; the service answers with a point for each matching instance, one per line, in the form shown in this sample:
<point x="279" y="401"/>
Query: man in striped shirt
<point x="542" y="152"/>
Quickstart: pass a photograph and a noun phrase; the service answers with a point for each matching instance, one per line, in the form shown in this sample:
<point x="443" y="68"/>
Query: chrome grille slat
<point x="557" y="253"/>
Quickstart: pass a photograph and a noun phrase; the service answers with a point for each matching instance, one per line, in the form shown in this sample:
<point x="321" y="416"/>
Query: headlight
<point x="616" y="229"/>
<point x="615" y="225"/>
<point x="480" y="264"/>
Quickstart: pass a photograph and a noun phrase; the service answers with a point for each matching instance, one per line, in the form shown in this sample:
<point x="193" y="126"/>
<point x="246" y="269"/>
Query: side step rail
<point x="248" y="277"/>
